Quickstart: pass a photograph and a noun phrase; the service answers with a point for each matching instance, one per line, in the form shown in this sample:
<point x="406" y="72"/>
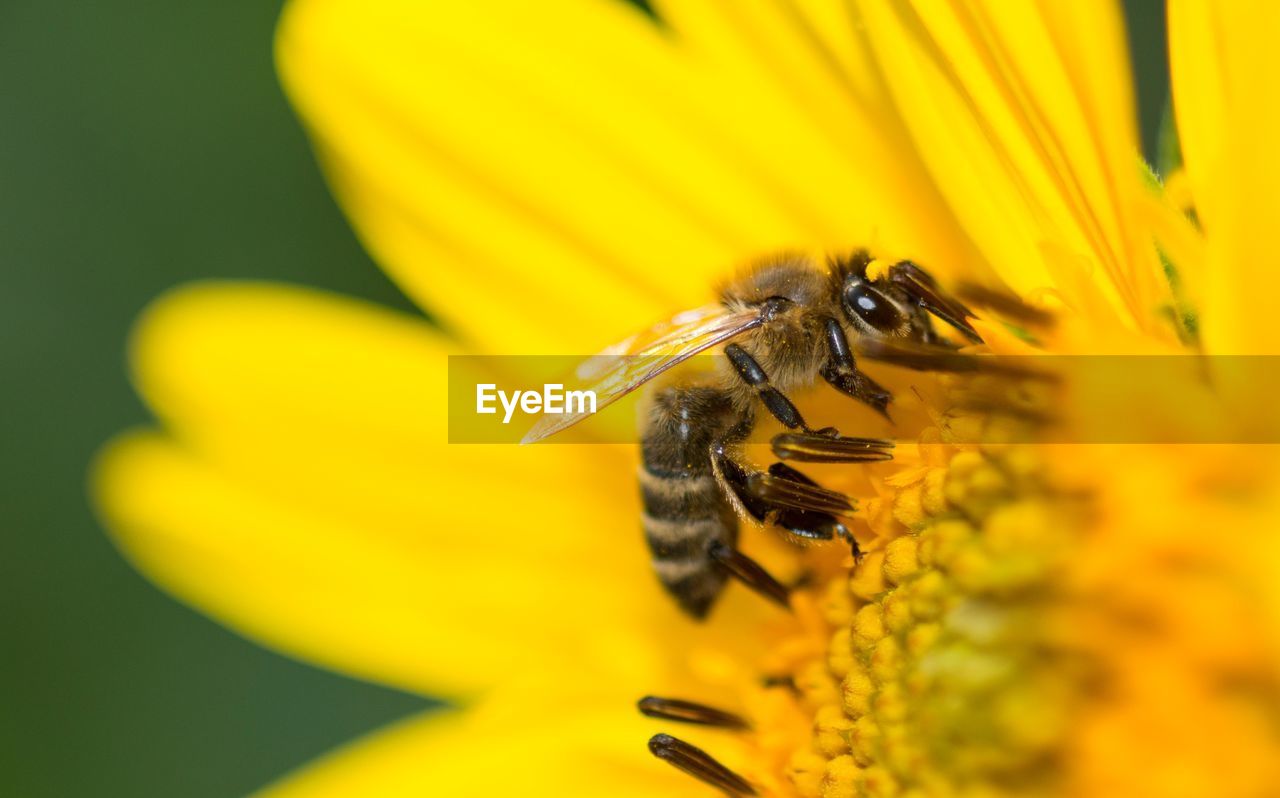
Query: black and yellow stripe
<point x="685" y="510"/>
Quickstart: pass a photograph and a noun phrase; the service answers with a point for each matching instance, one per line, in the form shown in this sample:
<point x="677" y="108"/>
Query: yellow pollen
<point x="1007" y="633"/>
<point x="868" y="625"/>
<point x="877" y="269"/>
<point x="900" y="561"/>
<point x="841" y="778"/>
<point x="935" y="675"/>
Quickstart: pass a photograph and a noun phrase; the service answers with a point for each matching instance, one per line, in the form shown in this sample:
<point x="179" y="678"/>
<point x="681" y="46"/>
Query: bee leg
<point x="805" y="447"/>
<point x="1006" y="305"/>
<point x="733" y="477"/>
<point x="809" y="523"/>
<point x="925" y="292"/>
<point x="784" y="487"/>
<point x="842" y="373"/>
<point x="689" y="712"/>
<point x="750" y="573"/>
<point x="787" y="498"/>
<point x="774" y="400"/>
<point x="699" y="764"/>
<point x="935" y="358"/>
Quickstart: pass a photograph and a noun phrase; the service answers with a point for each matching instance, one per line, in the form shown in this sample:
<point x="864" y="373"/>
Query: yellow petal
<point x="820" y="114"/>
<point x="218" y="352"/>
<point x="1222" y="57"/>
<point x="456" y="610"/>
<point x="326" y="401"/>
<point x="1022" y="112"/>
<point x="552" y="176"/>
<point x="530" y="746"/>
<point x="310" y="500"/>
<point x="1199" y="88"/>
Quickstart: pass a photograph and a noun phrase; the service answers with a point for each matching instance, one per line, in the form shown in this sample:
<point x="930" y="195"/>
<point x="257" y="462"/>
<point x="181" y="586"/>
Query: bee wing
<point x="661" y="334"/>
<point x="625" y="366"/>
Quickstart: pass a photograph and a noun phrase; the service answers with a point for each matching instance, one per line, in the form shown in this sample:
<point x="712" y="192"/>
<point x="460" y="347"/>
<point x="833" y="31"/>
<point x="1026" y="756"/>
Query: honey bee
<point x="782" y="323"/>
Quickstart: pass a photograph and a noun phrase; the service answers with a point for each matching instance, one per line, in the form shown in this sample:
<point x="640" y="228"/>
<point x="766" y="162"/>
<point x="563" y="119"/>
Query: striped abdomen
<point x="685" y="510"/>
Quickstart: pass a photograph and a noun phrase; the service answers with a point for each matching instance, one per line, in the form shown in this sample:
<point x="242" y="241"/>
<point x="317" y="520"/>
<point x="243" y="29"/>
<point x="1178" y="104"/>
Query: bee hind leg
<point x="750" y="573"/>
<point x="784" y="487"/>
<point x="786" y="498"/>
<point x="808" y="522"/>
<point x="738" y="479"/>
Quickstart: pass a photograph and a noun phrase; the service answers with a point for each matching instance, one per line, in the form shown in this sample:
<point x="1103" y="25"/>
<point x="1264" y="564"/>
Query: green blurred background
<point x="142" y="144"/>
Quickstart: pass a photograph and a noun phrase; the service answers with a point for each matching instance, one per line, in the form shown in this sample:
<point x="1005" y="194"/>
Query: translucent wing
<point x="628" y="364"/>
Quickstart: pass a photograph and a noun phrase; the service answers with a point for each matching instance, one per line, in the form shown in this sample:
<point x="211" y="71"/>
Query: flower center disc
<point x="941" y="670"/>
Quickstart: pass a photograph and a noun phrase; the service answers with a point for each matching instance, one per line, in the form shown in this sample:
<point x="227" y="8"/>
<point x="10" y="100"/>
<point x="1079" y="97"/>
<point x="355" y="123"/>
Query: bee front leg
<point x="774" y="400"/>
<point x="842" y="373"/>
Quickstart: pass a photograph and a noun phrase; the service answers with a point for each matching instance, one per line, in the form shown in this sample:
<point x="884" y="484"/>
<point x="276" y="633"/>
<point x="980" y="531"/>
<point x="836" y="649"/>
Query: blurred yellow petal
<point x="817" y="110"/>
<point x="1222" y="57"/>
<point x="333" y="403"/>
<point x="526" y="745"/>
<point x="1199" y="90"/>
<point x="1018" y="110"/>
<point x="593" y="219"/>
<point x="213" y="353"/>
<point x="532" y="172"/>
<point x="455" y="611"/>
<point x="311" y="501"/>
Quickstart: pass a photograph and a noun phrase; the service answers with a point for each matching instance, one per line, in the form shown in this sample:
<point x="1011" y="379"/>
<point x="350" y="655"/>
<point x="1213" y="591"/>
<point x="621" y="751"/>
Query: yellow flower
<point x="546" y="177"/>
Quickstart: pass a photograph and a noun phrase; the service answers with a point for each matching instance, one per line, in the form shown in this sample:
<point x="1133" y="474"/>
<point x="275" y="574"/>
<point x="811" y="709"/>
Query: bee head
<point x="873" y="310"/>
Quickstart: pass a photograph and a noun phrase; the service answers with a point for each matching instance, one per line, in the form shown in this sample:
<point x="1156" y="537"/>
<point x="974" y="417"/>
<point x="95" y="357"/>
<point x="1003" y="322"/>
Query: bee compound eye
<point x="865" y="303"/>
